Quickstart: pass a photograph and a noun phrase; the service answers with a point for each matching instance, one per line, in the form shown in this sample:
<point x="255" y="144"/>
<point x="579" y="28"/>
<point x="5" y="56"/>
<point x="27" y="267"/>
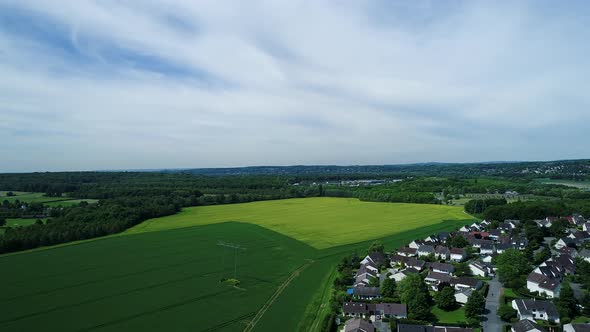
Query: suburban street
<point x="492" y="322"/>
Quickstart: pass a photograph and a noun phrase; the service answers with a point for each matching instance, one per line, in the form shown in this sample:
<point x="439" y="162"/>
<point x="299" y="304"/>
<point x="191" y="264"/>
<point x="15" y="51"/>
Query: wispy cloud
<point x="110" y="84"/>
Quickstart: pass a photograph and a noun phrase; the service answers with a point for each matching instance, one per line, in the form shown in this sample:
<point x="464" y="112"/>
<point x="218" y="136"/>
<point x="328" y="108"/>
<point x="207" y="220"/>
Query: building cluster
<point x="436" y="263"/>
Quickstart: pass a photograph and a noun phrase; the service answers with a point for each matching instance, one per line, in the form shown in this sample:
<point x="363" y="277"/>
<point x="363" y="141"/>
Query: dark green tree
<point x="512" y="265"/>
<point x="445" y="298"/>
<point x="376" y="246"/>
<point x="2" y="221"/>
<point x="566" y="303"/>
<point x="414" y="293"/>
<point x="389" y="288"/>
<point x="475" y="305"/>
<point x="506" y="312"/>
<point x="457" y="242"/>
<point x="462" y="269"/>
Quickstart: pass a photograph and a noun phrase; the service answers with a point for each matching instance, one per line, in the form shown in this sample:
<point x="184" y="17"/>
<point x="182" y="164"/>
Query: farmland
<point x="41" y="198"/>
<point x="320" y="222"/>
<point x="165" y="274"/>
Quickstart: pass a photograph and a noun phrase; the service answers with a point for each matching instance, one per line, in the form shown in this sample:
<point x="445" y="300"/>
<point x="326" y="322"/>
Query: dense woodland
<point x="128" y="198"/>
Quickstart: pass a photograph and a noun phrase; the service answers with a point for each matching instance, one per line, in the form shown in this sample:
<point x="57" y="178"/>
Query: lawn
<point x="41" y="198"/>
<point x="449" y="317"/>
<point x="70" y="202"/>
<point x="158" y="281"/>
<point x="320" y="222"/>
<point x="22" y="222"/>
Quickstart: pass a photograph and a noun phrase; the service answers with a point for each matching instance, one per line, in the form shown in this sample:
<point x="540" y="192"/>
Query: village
<point x="487" y="276"/>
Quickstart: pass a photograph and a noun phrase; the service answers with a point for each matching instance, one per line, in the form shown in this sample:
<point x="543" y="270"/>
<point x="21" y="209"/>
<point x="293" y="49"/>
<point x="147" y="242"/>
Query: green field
<point x="320" y="222"/>
<point x="569" y="183"/>
<point x="449" y="317"/>
<point x="41" y="198"/>
<point x="165" y="274"/>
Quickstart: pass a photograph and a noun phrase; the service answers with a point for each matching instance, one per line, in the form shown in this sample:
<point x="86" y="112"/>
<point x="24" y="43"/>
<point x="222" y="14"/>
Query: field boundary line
<point x="274" y="296"/>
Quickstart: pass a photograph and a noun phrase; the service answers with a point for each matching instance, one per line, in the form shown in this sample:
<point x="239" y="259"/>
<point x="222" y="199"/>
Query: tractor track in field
<point x="274" y="296"/>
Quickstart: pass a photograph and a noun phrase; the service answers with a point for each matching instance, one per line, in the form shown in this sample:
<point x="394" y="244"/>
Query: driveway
<point x="492" y="322"/>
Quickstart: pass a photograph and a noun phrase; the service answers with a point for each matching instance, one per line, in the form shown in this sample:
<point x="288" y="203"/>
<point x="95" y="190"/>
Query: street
<point x="492" y="322"/>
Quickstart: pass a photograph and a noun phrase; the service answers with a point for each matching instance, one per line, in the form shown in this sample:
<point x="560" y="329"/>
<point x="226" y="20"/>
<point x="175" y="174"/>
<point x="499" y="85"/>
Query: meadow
<point x="165" y="274"/>
<point x="320" y="222"/>
<point x="41" y="198"/>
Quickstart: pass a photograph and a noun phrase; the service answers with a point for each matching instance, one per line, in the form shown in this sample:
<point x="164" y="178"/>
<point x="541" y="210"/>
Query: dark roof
<point x="407" y="250"/>
<point x="526" y="325"/>
<point x="441" y="250"/>
<point x="415" y="262"/>
<point x="451" y="329"/>
<point x="366" y="291"/>
<point x="358" y="325"/>
<point x="468" y="281"/>
<point x="395" y="309"/>
<point x="543" y="281"/>
<point x="355" y="307"/>
<point x="443" y="277"/>
<point x="377" y="257"/>
<point x="414" y="328"/>
<point x="426" y="248"/>
<point x="580" y="327"/>
<point x="527" y="306"/>
<point x="458" y="251"/>
<point x="442" y="266"/>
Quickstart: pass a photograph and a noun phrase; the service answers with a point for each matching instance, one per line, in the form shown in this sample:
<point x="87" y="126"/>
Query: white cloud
<point x="188" y="84"/>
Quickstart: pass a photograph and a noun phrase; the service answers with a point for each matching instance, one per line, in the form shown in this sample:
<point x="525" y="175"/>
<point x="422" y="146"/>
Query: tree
<point x="374" y="282"/>
<point x="512" y="265"/>
<point x="462" y="269"/>
<point x="445" y="298"/>
<point x="542" y="255"/>
<point x="506" y="312"/>
<point x="475" y="305"/>
<point x="2" y="221"/>
<point x="457" y="242"/>
<point x="566" y="303"/>
<point x="10" y="194"/>
<point x="586" y="304"/>
<point x="414" y="292"/>
<point x="376" y="246"/>
<point x="389" y="288"/>
<point x="558" y="227"/>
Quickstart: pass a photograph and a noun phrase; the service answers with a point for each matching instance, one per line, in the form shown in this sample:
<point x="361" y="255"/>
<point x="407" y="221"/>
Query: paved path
<point x="492" y="322"/>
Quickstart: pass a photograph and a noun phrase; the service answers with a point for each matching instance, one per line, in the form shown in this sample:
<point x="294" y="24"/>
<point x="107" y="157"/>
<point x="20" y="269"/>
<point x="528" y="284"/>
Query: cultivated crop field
<point x="161" y="281"/>
<point x="320" y="222"/>
<point x="164" y="275"/>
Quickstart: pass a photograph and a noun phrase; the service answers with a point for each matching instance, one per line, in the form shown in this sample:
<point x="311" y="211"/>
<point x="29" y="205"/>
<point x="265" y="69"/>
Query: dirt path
<point x="274" y="297"/>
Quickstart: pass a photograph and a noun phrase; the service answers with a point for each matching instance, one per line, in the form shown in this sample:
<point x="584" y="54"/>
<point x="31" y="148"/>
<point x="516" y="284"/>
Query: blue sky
<point x="168" y="84"/>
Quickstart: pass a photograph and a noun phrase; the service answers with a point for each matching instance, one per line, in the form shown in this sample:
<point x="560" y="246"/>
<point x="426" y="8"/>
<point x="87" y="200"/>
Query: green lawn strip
<point x="449" y="317"/>
<point x="319" y="307"/>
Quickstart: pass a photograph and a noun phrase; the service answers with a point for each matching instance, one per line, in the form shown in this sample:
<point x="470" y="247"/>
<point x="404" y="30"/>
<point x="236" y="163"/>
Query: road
<point x="492" y="322"/>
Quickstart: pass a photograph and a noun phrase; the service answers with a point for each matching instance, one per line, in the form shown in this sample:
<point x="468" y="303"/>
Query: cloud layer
<point x="156" y="84"/>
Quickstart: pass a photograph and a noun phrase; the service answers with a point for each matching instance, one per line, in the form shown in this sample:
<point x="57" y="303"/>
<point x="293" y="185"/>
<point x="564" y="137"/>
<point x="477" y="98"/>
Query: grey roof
<point x="355" y="308"/>
<point x="358" y="325"/>
<point x="426" y="248"/>
<point x="395" y="309"/>
<point x="442" y="277"/>
<point x="442" y="267"/>
<point x="581" y="327"/>
<point x="527" y="306"/>
<point x="584" y="253"/>
<point x="467" y="281"/>
<point x="366" y="291"/>
<point x="526" y="325"/>
<point x="457" y="251"/>
<point x="543" y="281"/>
<point x="414" y="328"/>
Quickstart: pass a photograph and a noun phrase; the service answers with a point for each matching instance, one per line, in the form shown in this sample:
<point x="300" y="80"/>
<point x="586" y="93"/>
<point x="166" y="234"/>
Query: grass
<point x="320" y="222"/>
<point x="508" y="292"/>
<point x="581" y="319"/>
<point x="449" y="317"/>
<point x="166" y="275"/>
<point x="569" y="183"/>
<point x="22" y="221"/>
<point x="156" y="281"/>
<point x="63" y="201"/>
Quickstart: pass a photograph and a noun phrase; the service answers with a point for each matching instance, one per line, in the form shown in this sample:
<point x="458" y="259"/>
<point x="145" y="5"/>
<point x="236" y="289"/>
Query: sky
<point x="97" y="85"/>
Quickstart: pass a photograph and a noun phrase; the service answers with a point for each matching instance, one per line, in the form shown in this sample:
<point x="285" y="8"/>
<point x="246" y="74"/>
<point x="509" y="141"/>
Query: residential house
<point x="434" y="279"/>
<point x="527" y="325"/>
<point x="494" y="234"/>
<point x="430" y="328"/>
<point x="585" y="255"/>
<point x="487" y="259"/>
<point x="443" y="236"/>
<point x="407" y="252"/>
<point x="432" y="239"/>
<point x="399" y="276"/>
<point x="502" y="247"/>
<point x="481" y="269"/>
<point x="519" y="242"/>
<point x="487" y="249"/>
<point x="356" y="309"/>
<point x="425" y="250"/>
<point x="416" y="244"/>
<point x="543" y="285"/>
<point x="441" y="268"/>
<point x="366" y="293"/>
<point x="536" y="310"/>
<point x="586" y="227"/>
<point x="463" y="295"/>
<point x="566" y="242"/>
<point x="376" y="258"/>
<point x="442" y="252"/>
<point x="569" y="251"/>
<point x="462" y="283"/>
<point x="364" y="275"/>
<point x="415" y="263"/>
<point x="392" y="310"/>
<point x="580" y="236"/>
<point x="458" y="254"/>
<point x="512" y="222"/>
<point x="358" y="325"/>
<point x="576" y="327"/>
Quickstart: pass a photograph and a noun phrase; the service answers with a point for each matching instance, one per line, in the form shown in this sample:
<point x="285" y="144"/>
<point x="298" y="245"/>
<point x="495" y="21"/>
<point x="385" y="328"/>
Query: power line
<point x="236" y="247"/>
